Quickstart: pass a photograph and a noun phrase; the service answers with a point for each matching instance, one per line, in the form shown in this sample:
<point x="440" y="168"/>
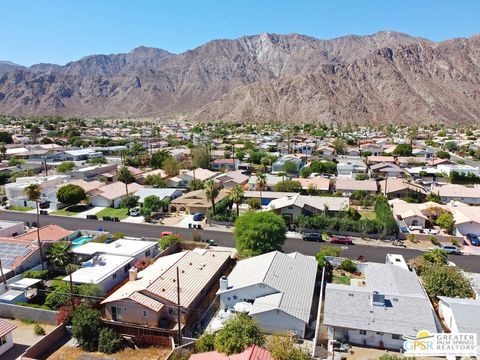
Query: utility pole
<point x="3" y="276"/>
<point x="179" y="318"/>
<point x="71" y="287"/>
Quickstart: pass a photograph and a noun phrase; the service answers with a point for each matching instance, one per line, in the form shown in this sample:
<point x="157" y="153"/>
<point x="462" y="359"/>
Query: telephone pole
<point x="72" y="300"/>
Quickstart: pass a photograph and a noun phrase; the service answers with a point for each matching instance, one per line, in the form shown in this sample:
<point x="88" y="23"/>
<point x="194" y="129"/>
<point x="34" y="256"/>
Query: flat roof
<point x="121" y="247"/>
<point x="93" y="272"/>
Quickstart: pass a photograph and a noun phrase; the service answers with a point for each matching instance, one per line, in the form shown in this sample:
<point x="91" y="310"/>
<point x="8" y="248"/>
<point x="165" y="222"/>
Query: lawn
<point x="21" y="208"/>
<point x="368" y="215"/>
<point x="70" y="211"/>
<point x="342" y="280"/>
<point x="121" y="213"/>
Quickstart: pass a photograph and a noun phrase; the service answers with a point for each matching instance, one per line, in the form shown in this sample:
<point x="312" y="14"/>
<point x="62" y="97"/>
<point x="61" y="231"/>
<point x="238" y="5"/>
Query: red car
<point x="165" y="233"/>
<point x="341" y="240"/>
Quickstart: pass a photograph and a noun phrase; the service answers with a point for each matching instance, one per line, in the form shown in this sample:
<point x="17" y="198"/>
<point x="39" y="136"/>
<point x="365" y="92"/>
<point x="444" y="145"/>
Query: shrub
<point x="38" y="330"/>
<point x="446" y="281"/>
<point x="434" y="240"/>
<point x="118" y="235"/>
<point x="109" y="341"/>
<point x="205" y="343"/>
<point x="86" y="327"/>
<point x="101" y="239"/>
<point x="455" y="242"/>
<point x="412" y="238"/>
<point x="348" y="265"/>
<point x="327" y="250"/>
<point x="36" y="274"/>
<point x="169" y="240"/>
<point x="253" y="203"/>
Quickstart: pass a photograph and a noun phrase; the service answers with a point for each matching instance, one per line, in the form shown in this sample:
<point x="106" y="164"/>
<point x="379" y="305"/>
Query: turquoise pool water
<point x="81" y="240"/>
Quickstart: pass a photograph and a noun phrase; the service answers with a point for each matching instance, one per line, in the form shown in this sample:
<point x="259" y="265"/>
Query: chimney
<point x="223" y="283"/>
<point x="132" y="274"/>
<point x="378" y="299"/>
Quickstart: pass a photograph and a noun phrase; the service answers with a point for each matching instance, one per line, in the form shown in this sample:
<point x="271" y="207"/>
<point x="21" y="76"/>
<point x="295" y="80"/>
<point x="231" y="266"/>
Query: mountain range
<point x="387" y="77"/>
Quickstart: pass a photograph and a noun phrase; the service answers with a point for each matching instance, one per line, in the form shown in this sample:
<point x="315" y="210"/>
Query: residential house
<point x="467" y="218"/>
<point x="461" y="316"/>
<point x="276" y="288"/>
<point x="386" y="170"/>
<point x="93" y="172"/>
<point x="48" y="186"/>
<point x="18" y="256"/>
<point x="80" y="154"/>
<point x="50" y="233"/>
<point x="229" y="179"/>
<point x="271" y="181"/>
<point x="88" y="186"/>
<point x="111" y="195"/>
<point x="467" y="195"/>
<point x="399" y="188"/>
<point x="459" y="169"/>
<point x="374" y="149"/>
<point x="141" y="178"/>
<point x="318" y="183"/>
<point x="326" y="150"/>
<point x="150" y="299"/>
<point x="163" y="193"/>
<point x="186" y="176"/>
<point x="267" y="196"/>
<point x="304" y="148"/>
<point x="294" y="205"/>
<point x="278" y="166"/>
<point x="350" y="167"/>
<point x="380" y="310"/>
<point x="195" y="201"/>
<point x="253" y="352"/>
<point x="225" y="164"/>
<point x="11" y="228"/>
<point x="6" y="336"/>
<point x="409" y="213"/>
<point x="350" y="186"/>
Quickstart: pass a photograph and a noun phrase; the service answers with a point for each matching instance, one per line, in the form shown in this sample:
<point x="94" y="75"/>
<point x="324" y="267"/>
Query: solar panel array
<point x="9" y="251"/>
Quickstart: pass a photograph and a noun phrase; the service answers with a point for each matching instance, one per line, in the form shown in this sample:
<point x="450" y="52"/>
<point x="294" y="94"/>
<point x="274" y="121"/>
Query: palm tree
<point x="236" y="195"/>
<point x="33" y="192"/>
<point x="124" y="175"/>
<point x="211" y="191"/>
<point x="58" y="254"/>
<point x="261" y="183"/>
<point x="266" y="161"/>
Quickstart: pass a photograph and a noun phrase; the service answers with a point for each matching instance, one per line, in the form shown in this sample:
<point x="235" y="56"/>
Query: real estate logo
<point x="441" y="344"/>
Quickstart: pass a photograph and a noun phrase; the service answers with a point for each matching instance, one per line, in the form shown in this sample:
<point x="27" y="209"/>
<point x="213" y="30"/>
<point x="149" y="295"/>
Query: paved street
<point x="371" y="253"/>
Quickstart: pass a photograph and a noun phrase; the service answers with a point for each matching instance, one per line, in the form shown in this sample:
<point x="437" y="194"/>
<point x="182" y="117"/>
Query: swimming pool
<point x="82" y="240"/>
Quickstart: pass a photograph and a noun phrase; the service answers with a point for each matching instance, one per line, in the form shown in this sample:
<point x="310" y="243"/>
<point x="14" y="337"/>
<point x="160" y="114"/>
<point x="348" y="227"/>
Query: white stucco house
<point x="6" y="336"/>
<point x="276" y="289"/>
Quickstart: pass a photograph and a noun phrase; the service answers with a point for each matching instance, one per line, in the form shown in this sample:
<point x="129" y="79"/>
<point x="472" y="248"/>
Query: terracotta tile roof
<point x="50" y="232"/>
<point x="6" y="327"/>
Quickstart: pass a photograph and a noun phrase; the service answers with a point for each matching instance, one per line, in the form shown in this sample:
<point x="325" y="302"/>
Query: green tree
<point x="86" y="327"/>
<point x="211" y="192"/>
<point x="58" y="254"/>
<point x="6" y="137"/>
<point x="156" y="181"/>
<point x="259" y="232"/>
<point x="201" y="156"/>
<point x="109" y="341"/>
<point x="290" y="167"/>
<point x="339" y="146"/>
<point x="288" y="186"/>
<point x="65" y="166"/>
<point x="168" y="240"/>
<point x="236" y="195"/>
<point x="129" y="201"/>
<point x="436" y="257"/>
<point x="442" y="154"/>
<point x="325" y="251"/>
<point x="97" y="161"/>
<point x="446" y="221"/>
<point x="237" y="334"/>
<point x="282" y="348"/>
<point x="60" y="295"/>
<point x="152" y="202"/>
<point x="171" y="166"/>
<point x="124" y="175"/>
<point x="446" y="281"/>
<point x="260" y="184"/>
<point x="240" y="155"/>
<point x="157" y="158"/>
<point x="205" y="343"/>
<point x="71" y="194"/>
<point x="403" y="150"/>
<point x="33" y="192"/>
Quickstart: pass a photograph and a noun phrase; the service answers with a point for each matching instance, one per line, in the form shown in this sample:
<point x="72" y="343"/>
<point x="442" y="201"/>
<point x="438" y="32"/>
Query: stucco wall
<point x="10" y="311"/>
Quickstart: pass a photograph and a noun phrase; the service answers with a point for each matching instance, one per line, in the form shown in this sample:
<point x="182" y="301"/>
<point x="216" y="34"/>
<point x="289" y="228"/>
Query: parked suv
<point x="451" y="249"/>
<point x="134" y="212"/>
<point x="474" y="240"/>
<point x="312" y="237"/>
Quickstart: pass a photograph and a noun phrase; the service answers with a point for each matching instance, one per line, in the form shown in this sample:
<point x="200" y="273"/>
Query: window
<point x="3" y="340"/>
<point x="126" y="268"/>
<point x="173" y="311"/>
<point x="147" y="253"/>
<point x="363" y="332"/>
<point x="145" y="313"/>
<point x="114" y="276"/>
<point x="379" y="333"/>
<point x="396" y="337"/>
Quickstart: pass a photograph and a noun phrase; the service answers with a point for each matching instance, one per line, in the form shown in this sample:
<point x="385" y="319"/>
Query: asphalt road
<point x="223" y="238"/>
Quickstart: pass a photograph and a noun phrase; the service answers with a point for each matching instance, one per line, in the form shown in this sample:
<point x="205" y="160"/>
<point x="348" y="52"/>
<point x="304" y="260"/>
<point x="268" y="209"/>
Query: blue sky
<point x="34" y="31"/>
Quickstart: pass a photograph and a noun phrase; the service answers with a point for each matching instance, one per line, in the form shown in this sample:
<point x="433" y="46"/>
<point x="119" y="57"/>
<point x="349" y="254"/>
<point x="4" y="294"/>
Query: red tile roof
<point x="50" y="232"/>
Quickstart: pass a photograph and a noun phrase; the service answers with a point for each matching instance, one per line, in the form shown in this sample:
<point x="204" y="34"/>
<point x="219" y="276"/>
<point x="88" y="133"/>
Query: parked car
<point x="474" y="240"/>
<point x="197" y="216"/>
<point x="44" y="204"/>
<point x="312" y="237"/>
<point x="431" y="231"/>
<point x="165" y="233"/>
<point x="134" y="212"/>
<point x="341" y="240"/>
<point x="451" y="249"/>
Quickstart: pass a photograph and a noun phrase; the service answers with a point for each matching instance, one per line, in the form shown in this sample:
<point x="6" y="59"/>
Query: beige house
<point x="150" y="299"/>
<point x="195" y="201"/>
<point x="399" y="188"/>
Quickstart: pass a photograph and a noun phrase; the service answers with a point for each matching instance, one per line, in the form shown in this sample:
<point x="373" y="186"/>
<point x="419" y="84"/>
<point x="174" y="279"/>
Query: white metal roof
<point x="122" y="247"/>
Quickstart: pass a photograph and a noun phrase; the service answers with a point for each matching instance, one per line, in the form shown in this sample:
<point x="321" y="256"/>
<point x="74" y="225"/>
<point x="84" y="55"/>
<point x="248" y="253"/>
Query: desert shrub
<point x="168" y="240"/>
<point x="36" y="274"/>
<point x="38" y="330"/>
<point x="109" y="341"/>
<point x="348" y="265"/>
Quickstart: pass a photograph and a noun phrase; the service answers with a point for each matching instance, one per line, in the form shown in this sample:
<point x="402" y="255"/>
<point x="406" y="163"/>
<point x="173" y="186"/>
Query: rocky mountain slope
<point x="388" y="77"/>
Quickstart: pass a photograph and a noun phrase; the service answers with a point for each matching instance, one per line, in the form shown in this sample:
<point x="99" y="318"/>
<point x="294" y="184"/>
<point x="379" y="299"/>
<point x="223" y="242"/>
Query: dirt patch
<point x="24" y="334"/>
<point x="73" y="353"/>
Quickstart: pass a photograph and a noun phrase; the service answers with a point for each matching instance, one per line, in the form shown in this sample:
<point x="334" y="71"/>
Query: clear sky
<point x="59" y="31"/>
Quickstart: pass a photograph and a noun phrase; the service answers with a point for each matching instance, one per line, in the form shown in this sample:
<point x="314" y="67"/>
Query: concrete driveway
<point x="188" y="219"/>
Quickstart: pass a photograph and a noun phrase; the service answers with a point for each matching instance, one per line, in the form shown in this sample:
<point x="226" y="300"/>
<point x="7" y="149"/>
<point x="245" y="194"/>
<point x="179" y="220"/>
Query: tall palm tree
<point x="33" y="192"/>
<point x="236" y="195"/>
<point x="211" y="191"/>
<point x="260" y="184"/>
<point x="58" y="254"/>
